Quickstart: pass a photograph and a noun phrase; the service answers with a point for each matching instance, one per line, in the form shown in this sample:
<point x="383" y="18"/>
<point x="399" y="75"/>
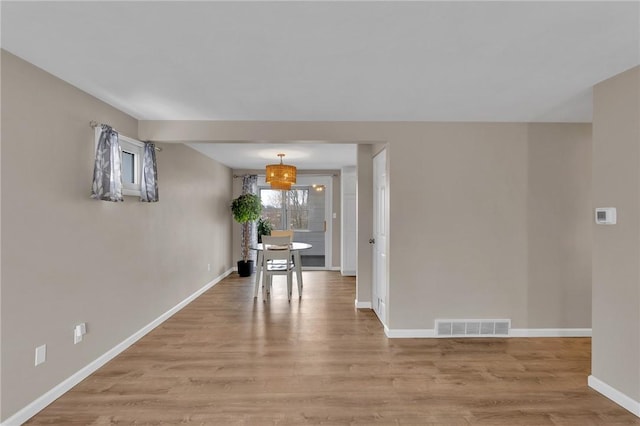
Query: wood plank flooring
<point x="227" y="359"/>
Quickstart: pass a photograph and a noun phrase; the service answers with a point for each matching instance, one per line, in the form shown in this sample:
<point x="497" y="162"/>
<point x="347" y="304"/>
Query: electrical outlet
<point x="41" y="354"/>
<point x="209" y="267"/>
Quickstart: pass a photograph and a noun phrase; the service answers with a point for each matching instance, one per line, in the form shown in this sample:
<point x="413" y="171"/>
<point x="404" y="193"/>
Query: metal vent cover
<point x="473" y="327"/>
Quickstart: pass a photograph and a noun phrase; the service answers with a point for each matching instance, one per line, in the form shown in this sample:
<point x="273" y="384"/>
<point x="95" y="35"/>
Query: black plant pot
<point x="245" y="269"/>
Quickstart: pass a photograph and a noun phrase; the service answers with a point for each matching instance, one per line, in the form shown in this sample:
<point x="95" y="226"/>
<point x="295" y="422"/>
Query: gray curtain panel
<point x="107" y="171"/>
<point x="149" y="181"/>
<point x="250" y="186"/>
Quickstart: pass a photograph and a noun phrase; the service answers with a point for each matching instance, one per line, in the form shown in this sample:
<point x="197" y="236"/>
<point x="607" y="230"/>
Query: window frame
<point x="132" y="146"/>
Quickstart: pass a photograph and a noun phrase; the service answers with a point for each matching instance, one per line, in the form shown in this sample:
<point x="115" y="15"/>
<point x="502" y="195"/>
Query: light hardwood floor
<point x="229" y="359"/>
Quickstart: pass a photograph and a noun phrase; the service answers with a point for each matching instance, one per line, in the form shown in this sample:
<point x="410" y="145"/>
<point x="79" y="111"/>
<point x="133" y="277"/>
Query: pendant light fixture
<point x="280" y="185"/>
<point x="280" y="176"/>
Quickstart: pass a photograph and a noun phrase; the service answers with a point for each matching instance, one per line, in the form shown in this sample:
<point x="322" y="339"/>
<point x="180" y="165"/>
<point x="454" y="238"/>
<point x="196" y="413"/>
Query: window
<point x="132" y="151"/>
<point x="286" y="209"/>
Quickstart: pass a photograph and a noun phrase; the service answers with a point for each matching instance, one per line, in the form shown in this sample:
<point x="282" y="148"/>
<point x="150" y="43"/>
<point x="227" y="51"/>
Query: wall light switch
<point x="78" y="332"/>
<point x="77" y="336"/>
<point x="41" y="354"/>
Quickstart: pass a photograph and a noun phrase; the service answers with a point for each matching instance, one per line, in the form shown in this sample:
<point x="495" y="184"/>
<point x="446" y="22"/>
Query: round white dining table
<point x="295" y="247"/>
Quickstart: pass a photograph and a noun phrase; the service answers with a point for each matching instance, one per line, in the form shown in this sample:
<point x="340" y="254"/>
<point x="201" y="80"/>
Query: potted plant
<point x="246" y="208"/>
<point x="264" y="228"/>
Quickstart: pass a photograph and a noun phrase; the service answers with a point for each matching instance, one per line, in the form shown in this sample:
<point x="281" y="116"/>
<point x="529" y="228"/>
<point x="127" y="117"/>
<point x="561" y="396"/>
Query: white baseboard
<point x="363" y="305"/>
<point x="348" y="273"/>
<point x="615" y="395"/>
<point x="550" y="332"/>
<point x="416" y="333"/>
<point x="39" y="404"/>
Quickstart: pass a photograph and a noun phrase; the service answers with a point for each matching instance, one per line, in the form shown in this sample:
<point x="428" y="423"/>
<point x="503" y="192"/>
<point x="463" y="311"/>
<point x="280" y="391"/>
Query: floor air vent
<point x="472" y="328"/>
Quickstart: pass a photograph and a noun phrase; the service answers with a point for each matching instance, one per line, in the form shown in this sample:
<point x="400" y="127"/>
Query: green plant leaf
<point x="246" y="208"/>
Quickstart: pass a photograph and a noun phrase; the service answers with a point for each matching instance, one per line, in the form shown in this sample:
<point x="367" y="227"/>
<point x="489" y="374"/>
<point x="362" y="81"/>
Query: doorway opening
<point x="305" y="209"/>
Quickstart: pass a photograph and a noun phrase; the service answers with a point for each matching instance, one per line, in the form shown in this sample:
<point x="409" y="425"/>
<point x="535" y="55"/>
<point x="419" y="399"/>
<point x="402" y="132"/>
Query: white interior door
<point x="380" y="209"/>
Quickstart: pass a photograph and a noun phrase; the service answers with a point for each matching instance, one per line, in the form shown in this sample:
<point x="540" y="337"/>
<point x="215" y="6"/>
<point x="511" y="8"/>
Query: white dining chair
<point x="284" y="233"/>
<point x="276" y="258"/>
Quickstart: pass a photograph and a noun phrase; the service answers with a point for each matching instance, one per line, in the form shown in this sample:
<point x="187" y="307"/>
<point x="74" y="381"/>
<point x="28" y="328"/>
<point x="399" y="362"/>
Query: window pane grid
<point x="286" y="209"/>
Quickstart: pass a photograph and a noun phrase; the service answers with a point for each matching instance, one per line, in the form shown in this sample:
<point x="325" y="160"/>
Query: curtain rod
<point x="95" y="124"/>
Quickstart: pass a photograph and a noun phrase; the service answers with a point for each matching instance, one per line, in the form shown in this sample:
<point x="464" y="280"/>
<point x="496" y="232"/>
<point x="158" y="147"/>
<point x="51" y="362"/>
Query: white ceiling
<point x="342" y="61"/>
<point x="309" y="156"/>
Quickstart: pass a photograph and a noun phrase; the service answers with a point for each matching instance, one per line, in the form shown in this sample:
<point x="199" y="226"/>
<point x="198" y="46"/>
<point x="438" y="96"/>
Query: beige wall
<point x="364" y="230"/>
<point x="616" y="249"/>
<point x="68" y="259"/>
<point x="458" y="225"/>
<point x="559" y="225"/>
<point x="491" y="221"/>
<point x="462" y="242"/>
